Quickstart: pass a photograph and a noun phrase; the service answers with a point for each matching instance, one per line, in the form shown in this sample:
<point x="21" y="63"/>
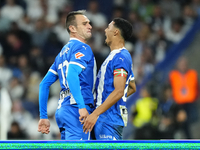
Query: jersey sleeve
<point x="74" y="84"/>
<point x="120" y="62"/>
<point x="81" y="55"/>
<point x="45" y="84"/>
<point x="53" y="69"/>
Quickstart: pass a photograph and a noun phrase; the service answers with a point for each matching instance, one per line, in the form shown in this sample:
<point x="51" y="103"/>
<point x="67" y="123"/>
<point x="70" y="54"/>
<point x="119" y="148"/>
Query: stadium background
<point x="33" y="32"/>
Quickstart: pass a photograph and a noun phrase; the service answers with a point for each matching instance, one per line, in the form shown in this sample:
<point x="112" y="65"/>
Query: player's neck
<point x="78" y="37"/>
<point x="117" y="44"/>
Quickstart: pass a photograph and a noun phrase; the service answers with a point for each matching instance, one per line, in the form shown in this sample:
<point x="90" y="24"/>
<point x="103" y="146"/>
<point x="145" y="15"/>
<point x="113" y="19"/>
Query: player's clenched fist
<point x="43" y="126"/>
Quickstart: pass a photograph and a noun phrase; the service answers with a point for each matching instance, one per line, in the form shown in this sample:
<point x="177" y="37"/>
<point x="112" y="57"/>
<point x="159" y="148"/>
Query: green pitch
<point x="134" y="145"/>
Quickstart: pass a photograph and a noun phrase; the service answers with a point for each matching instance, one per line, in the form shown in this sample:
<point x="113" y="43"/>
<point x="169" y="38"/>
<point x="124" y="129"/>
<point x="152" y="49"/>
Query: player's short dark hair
<point x="124" y="26"/>
<point x="71" y="19"/>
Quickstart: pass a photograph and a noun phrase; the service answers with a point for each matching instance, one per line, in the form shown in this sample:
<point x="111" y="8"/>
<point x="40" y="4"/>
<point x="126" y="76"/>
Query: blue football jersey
<point x="79" y="53"/>
<point x="119" y="58"/>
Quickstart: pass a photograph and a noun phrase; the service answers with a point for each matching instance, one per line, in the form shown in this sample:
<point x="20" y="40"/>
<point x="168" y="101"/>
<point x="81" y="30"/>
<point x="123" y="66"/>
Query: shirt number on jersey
<point x="64" y="75"/>
<point x="64" y="71"/>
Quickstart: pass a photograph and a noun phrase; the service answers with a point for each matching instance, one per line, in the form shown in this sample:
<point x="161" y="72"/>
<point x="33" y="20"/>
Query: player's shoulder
<point x="63" y="51"/>
<point x="85" y="49"/>
<point x="78" y="44"/>
<point x="123" y="55"/>
<point x="84" y="46"/>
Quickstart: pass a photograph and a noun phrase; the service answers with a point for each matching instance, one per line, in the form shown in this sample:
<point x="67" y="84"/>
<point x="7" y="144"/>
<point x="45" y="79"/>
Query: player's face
<point x="83" y="27"/>
<point x="109" y="33"/>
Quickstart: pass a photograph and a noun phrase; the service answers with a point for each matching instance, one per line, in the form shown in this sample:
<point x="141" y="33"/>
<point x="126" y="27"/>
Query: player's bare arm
<point x="131" y="88"/>
<point x="44" y="126"/>
<point x="119" y="84"/>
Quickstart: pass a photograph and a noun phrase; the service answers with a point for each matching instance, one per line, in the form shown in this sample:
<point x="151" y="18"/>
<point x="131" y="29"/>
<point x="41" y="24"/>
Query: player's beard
<point x="108" y="43"/>
<point x="88" y="36"/>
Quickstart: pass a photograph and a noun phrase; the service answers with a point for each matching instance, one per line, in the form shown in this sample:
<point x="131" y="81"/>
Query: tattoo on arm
<point x="130" y="89"/>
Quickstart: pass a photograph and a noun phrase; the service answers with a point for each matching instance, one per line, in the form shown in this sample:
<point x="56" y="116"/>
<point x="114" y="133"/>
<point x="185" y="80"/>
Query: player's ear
<point x="116" y="32"/>
<point x="72" y="29"/>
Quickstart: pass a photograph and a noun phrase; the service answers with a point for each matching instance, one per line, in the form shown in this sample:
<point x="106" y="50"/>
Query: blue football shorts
<point x="106" y="131"/>
<point x="67" y="118"/>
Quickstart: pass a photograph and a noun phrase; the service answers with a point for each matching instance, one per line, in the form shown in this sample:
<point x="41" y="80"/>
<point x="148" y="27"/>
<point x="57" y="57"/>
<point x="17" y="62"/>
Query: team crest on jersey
<point x="79" y="55"/>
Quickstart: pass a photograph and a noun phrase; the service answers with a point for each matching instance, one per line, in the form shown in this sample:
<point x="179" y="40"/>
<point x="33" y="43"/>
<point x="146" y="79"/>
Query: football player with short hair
<point x="115" y="82"/>
<point x="75" y="67"/>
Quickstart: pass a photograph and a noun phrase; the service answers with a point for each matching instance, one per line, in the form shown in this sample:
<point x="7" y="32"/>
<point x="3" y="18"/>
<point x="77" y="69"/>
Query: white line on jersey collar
<point x="118" y="49"/>
<point x="75" y="39"/>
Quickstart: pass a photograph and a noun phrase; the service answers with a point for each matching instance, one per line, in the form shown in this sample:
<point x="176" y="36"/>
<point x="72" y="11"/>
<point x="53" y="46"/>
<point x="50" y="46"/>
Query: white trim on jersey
<point x="89" y="135"/>
<point x="119" y="49"/>
<point x="94" y="77"/>
<point x="53" y="71"/>
<point x="75" y="39"/>
<point x="133" y="78"/>
<point x="75" y="63"/>
<point x="100" y="87"/>
<point x="72" y="100"/>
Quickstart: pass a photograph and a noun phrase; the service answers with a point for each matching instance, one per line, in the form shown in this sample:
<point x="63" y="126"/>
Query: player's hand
<point x="90" y="122"/>
<point x="83" y="115"/>
<point x="43" y="126"/>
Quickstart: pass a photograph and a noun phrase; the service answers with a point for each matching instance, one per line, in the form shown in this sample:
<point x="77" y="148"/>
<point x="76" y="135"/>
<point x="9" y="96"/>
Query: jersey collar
<point x="116" y="50"/>
<point x="74" y="39"/>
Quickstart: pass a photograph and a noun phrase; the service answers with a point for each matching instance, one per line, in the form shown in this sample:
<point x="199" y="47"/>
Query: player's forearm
<point x="131" y="88"/>
<point x="109" y="102"/>
<point x="130" y="91"/>
<point x="47" y="81"/>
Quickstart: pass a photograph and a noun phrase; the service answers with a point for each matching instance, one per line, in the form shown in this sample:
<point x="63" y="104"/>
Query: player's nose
<point x="105" y="30"/>
<point x="89" y="26"/>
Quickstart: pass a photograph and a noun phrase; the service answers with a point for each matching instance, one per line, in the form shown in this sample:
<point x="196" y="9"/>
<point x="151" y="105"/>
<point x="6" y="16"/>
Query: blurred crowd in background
<point x="32" y="32"/>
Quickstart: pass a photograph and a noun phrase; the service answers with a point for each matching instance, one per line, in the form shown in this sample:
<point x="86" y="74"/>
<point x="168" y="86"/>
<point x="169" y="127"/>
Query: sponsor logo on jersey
<point x="103" y="136"/>
<point x="121" y="59"/>
<point x="84" y="47"/>
<point x="79" y="55"/>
